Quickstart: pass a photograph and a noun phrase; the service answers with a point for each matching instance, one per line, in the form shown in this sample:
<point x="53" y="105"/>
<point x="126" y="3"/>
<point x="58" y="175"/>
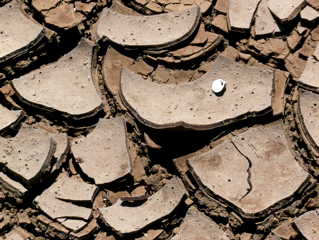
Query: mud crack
<point x="248" y="172"/>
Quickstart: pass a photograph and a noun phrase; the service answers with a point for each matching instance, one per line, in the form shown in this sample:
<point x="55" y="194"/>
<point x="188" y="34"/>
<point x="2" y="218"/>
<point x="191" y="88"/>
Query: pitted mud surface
<point x="110" y="128"/>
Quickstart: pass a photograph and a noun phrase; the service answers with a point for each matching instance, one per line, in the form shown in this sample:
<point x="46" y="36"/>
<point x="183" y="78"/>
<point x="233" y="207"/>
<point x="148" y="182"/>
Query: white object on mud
<point x="218" y="85"/>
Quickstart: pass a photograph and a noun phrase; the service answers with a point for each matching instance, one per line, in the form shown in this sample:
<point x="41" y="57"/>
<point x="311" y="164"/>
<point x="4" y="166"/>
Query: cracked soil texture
<point x="110" y="128"/>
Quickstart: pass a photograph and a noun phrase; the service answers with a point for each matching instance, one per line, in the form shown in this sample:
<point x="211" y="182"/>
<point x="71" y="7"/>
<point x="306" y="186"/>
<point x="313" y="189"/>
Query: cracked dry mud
<point x="109" y="128"/>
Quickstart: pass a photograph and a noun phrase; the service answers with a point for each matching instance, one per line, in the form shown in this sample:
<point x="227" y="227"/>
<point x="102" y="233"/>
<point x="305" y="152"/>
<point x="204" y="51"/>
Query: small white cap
<point x="218" y="85"/>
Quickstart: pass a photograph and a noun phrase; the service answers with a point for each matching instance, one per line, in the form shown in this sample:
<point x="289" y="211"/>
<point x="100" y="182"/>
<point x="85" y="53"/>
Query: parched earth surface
<point x="110" y="129"/>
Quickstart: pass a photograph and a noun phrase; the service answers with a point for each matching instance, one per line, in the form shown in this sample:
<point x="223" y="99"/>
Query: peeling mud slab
<point x="11" y="182"/>
<point x="18" y="34"/>
<point x="9" y="118"/>
<point x="56" y="208"/>
<point x="308" y="14"/>
<point x="60" y="199"/>
<point x="18" y="233"/>
<point x="15" y="188"/>
<point x="197" y="225"/>
<point x="28" y="155"/>
<point x="40" y="5"/>
<point x="64" y="88"/>
<point x="204" y="5"/>
<point x="74" y="190"/>
<point x="309" y="77"/>
<point x="308" y="225"/>
<point x="113" y="62"/>
<point x="237" y="171"/>
<point x="127" y="219"/>
<point x="222" y="6"/>
<point x="147" y="32"/>
<point x="264" y="21"/>
<point x="240" y="14"/>
<point x="159" y="6"/>
<point x="286" y="10"/>
<point x="192" y="51"/>
<point x="63" y="16"/>
<point x="193" y="105"/>
<point x="103" y="155"/>
<point x="280" y="84"/>
<point x="74" y="224"/>
<point x="61" y="150"/>
<point x="87" y="232"/>
<point x="308" y="106"/>
<point x="14" y="236"/>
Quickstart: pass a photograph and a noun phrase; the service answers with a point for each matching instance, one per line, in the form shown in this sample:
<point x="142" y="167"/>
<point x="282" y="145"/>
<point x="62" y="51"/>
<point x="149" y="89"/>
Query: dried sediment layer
<point x="113" y="62"/>
<point x="158" y="6"/>
<point x="103" y="154"/>
<point x="126" y="219"/>
<point x="28" y="155"/>
<point x="56" y="208"/>
<point x="75" y="190"/>
<point x="14" y="187"/>
<point x="18" y="33"/>
<point x="255" y="173"/>
<point x="280" y="84"/>
<point x="286" y="10"/>
<point x="193" y="105"/>
<point x="191" y="51"/>
<point x="60" y="201"/>
<point x="308" y="106"/>
<point x="25" y="154"/>
<point x="14" y="236"/>
<point x="62" y="88"/>
<point x="9" y="119"/>
<point x="308" y="225"/>
<point x="61" y="150"/>
<point x="309" y="77"/>
<point x="73" y="224"/>
<point x="147" y="32"/>
<point x="308" y="14"/>
<point x="197" y="225"/>
<point x="88" y="232"/>
<point x="240" y="14"/>
<point x="64" y="16"/>
<point x="265" y="22"/>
